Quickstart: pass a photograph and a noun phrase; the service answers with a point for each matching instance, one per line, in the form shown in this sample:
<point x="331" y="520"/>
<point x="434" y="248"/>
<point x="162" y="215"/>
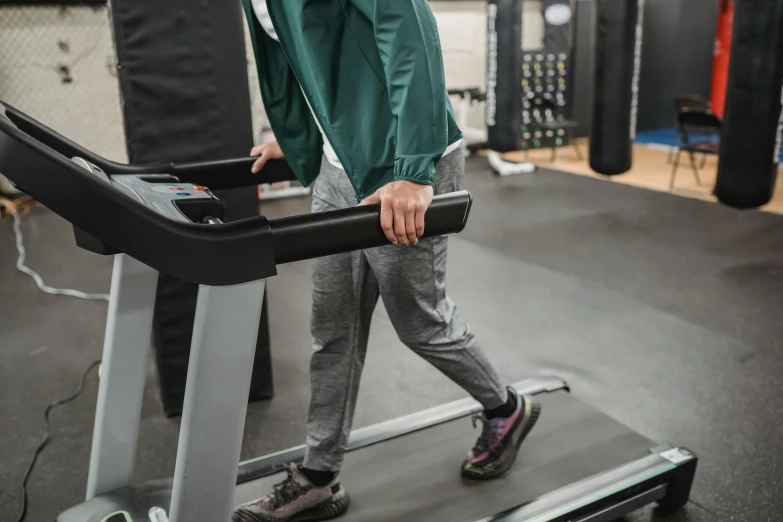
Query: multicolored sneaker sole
<point x="329" y="509"/>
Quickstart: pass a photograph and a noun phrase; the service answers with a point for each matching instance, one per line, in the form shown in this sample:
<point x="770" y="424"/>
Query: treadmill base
<point x="576" y="465"/>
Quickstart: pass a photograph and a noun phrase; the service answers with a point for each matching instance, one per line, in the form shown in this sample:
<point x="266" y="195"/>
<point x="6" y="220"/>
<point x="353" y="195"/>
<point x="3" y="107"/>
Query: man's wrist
<point x="419" y="180"/>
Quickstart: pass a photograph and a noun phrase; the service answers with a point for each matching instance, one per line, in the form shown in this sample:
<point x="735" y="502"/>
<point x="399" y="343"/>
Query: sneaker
<point x="295" y="499"/>
<point x="497" y="447"/>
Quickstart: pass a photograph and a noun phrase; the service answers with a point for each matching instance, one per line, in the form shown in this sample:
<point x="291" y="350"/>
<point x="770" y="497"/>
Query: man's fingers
<point x="399" y="226"/>
<point x="259" y="164"/>
<point x="419" y="222"/>
<point x="258" y="150"/>
<point x="387" y="220"/>
<point x="410" y="226"/>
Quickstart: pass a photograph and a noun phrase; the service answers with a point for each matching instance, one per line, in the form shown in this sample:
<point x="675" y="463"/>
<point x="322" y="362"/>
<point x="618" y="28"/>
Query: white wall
<point x="463" y="33"/>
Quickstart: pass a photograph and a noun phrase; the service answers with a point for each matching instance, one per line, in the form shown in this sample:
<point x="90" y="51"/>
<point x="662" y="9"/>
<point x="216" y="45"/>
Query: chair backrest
<point x="698" y="121"/>
<point x="691" y="101"/>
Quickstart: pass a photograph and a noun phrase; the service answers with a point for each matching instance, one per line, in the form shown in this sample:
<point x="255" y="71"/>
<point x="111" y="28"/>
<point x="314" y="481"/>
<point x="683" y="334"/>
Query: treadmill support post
<point x="213" y="418"/>
<point x="123" y="367"/>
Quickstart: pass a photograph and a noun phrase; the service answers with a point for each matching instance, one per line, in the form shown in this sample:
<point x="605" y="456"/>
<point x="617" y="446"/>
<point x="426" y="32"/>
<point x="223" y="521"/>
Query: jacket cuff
<point x="421" y="171"/>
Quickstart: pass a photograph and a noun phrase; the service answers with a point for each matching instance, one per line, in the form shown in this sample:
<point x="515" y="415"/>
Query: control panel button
<point x="183" y="194"/>
<point x="198" y="187"/>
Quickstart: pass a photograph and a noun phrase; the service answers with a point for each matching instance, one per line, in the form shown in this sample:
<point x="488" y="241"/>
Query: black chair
<point x="688" y="102"/>
<point x="691" y="122"/>
<point x="553" y="120"/>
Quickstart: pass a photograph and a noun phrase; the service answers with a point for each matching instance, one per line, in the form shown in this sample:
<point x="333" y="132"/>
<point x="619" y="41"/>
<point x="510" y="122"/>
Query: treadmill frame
<point x="664" y="476"/>
<point x="218" y="382"/>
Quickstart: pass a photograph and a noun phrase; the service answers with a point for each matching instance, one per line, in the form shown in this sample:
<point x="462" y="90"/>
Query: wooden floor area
<point x="651" y="170"/>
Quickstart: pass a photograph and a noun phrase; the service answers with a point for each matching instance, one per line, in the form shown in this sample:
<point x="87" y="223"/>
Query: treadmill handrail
<point x="215" y="174"/>
<point x="225" y="254"/>
<point x="325" y="233"/>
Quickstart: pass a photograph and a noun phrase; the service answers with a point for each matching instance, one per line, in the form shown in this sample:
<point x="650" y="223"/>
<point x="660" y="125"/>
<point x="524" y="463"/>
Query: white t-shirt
<point x="262" y="13"/>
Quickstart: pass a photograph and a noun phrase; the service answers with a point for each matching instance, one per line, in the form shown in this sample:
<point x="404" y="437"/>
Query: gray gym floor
<point x="663" y="312"/>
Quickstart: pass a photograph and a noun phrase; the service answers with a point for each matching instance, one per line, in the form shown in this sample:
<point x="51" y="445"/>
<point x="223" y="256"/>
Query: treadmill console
<point x="163" y="193"/>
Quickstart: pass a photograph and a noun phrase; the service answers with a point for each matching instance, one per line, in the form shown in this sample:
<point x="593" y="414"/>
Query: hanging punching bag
<point x="753" y="124"/>
<point x="616" y="63"/>
<point x="504" y="74"/>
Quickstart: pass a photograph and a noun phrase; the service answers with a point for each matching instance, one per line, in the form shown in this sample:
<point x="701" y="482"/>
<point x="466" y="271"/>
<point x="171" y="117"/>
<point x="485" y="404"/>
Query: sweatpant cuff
<point x="497" y="401"/>
<point x="322" y="461"/>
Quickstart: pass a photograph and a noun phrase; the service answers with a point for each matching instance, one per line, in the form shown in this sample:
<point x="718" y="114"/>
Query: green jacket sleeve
<point x="407" y="37"/>
<point x="286" y="108"/>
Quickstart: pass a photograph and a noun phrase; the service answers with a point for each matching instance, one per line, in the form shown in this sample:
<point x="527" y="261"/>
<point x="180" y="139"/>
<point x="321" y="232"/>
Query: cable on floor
<point x="14" y="208"/>
<point x="45" y="439"/>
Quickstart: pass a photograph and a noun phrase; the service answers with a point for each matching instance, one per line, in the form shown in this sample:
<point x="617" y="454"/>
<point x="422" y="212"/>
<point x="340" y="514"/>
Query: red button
<point x="198" y="187"/>
<point x="180" y="189"/>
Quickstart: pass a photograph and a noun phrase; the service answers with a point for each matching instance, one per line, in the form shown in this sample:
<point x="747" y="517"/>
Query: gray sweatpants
<point x="412" y="283"/>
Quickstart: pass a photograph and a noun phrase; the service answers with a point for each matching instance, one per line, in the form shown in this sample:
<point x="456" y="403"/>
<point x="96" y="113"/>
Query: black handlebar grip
<point x="232" y="173"/>
<point x="326" y="233"/>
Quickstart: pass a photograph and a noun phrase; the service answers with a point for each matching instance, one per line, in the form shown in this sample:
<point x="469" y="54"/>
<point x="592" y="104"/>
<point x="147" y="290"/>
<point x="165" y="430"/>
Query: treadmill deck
<point x="416" y="477"/>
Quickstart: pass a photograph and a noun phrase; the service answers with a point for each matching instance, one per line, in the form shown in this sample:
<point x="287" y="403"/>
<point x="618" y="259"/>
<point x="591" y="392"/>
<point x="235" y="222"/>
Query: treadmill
<point x="577" y="464"/>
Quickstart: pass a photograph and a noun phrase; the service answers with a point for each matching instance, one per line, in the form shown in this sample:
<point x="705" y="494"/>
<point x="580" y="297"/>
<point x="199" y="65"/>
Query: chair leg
<point x="570" y="136"/>
<point x="703" y="161"/>
<point x="695" y="169"/>
<point x="676" y="163"/>
<point x="554" y="154"/>
<point x="670" y="156"/>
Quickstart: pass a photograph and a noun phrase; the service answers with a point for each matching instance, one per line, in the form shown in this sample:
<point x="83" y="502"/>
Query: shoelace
<point x="490" y="432"/>
<point x="286" y="491"/>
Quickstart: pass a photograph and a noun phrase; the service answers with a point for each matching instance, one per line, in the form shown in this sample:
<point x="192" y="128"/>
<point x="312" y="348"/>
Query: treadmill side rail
<point x="656" y="477"/>
<point x="417" y="421"/>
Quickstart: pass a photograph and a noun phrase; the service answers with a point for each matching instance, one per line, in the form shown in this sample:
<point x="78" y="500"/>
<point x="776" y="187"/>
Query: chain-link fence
<point x="57" y="64"/>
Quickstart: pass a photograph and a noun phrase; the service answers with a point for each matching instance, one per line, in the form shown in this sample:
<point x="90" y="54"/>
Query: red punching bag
<point x="720" y="65"/>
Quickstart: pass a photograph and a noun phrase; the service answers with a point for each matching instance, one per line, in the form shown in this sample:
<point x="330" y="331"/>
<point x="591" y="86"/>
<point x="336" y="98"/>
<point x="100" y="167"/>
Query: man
<point x="355" y="93"/>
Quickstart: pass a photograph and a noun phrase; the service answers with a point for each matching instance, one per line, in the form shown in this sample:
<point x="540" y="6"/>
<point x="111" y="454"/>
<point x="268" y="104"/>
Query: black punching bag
<point x="504" y="74"/>
<point x="183" y="77"/>
<point x="616" y="62"/>
<point x="751" y="136"/>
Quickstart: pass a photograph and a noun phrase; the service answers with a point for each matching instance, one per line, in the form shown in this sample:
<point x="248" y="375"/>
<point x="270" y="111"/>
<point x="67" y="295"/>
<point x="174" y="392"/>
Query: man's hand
<point x="265" y="152"/>
<point x="403" y="205"/>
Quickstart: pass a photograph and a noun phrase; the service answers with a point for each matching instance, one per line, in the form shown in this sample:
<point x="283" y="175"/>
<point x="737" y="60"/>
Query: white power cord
<point x="37" y="278"/>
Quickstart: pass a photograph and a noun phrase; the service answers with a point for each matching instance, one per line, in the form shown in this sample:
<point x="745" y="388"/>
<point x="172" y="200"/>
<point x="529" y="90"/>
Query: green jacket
<point x="373" y="73"/>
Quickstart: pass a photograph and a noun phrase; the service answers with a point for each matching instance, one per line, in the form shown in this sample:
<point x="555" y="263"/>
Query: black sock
<point x="317" y="477"/>
<point x="504" y="411"/>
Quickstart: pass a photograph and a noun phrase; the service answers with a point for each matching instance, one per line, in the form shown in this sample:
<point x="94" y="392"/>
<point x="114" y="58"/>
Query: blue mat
<point x="669" y="137"/>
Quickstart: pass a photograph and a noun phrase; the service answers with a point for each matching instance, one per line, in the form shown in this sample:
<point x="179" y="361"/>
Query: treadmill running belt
<point x="416" y="477"/>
